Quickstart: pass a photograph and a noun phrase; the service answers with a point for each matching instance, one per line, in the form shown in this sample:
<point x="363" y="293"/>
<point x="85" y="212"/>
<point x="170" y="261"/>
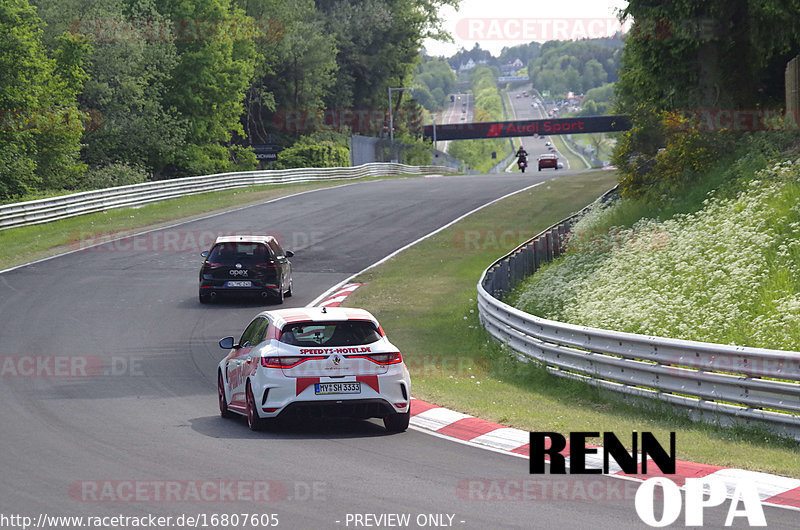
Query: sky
<point x="498" y="23"/>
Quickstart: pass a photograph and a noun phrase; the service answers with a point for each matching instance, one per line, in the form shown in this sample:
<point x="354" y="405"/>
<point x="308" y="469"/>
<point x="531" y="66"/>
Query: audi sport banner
<point x="505" y="129"/>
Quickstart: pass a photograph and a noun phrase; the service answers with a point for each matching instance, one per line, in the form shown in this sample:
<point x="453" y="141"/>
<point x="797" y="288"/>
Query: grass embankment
<point x="728" y="272"/>
<point x="575" y="162"/>
<point x="29" y="243"/>
<point x="425" y="299"/>
<point x="603" y="143"/>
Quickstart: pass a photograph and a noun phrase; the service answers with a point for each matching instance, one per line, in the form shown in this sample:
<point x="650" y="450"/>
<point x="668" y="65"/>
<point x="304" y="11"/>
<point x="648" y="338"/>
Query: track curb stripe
<point x="773" y="489"/>
<point x="336" y="299"/>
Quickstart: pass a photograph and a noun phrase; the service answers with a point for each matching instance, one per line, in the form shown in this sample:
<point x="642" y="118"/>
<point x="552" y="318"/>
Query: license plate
<point x="239" y="283"/>
<point x="337" y="388"/>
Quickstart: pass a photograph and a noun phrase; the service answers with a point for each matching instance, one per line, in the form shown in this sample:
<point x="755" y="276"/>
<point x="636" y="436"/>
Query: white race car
<point x="314" y="362"/>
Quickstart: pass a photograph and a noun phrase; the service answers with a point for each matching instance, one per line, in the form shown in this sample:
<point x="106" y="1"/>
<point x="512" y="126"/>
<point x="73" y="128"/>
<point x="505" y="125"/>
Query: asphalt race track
<point x="113" y="411"/>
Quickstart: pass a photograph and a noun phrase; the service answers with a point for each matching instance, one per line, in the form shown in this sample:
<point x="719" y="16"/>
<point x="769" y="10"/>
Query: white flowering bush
<point x="728" y="273"/>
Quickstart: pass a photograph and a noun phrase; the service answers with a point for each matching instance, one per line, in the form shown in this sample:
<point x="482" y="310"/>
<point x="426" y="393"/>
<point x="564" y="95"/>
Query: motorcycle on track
<point x="522" y="159"/>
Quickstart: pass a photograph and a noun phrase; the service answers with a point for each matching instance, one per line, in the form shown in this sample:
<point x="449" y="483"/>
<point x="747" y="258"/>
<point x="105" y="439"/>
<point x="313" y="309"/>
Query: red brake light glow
<point x="288" y="362"/>
<point x="380" y="358"/>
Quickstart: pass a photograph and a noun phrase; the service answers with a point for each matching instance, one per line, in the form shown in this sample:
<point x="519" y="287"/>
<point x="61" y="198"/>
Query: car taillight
<point x="269" y="265"/>
<point x="380" y="358"/>
<point x="212" y="265"/>
<point x="287" y="362"/>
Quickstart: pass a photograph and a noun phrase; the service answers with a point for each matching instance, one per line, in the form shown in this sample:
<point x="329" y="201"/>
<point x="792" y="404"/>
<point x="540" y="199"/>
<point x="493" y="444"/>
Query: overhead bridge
<point x="507" y="129"/>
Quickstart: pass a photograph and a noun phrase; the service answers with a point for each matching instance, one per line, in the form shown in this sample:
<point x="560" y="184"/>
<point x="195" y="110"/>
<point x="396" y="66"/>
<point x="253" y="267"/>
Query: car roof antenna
<point x="324" y="310"/>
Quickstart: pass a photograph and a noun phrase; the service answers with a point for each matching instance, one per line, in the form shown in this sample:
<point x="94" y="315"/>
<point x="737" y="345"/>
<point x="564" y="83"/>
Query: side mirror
<point x="227" y="343"/>
<point x="204" y="253"/>
<point x="289" y="253"/>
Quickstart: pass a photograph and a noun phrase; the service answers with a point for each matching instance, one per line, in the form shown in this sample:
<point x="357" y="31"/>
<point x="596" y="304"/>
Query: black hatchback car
<point x="241" y="265"/>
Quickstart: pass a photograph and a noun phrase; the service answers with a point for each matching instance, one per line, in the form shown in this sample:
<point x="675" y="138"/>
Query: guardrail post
<point x="527" y="251"/>
<point x="563" y="235"/>
<point x="548" y="246"/>
<point x="539" y="253"/>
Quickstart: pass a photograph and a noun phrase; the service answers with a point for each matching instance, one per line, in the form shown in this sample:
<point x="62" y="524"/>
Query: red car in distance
<point x="548" y="160"/>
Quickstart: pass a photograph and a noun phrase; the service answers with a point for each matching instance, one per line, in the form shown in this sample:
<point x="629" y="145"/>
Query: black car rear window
<point x="313" y="334"/>
<point x="230" y="253"/>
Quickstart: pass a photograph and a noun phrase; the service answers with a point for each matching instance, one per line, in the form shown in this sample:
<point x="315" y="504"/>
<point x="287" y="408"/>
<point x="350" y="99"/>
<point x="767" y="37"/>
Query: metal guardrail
<point x="716" y="383"/>
<point x="45" y="210"/>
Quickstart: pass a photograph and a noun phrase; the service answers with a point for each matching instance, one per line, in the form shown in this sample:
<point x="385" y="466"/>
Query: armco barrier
<point x="716" y="383"/>
<point x="44" y="210"/>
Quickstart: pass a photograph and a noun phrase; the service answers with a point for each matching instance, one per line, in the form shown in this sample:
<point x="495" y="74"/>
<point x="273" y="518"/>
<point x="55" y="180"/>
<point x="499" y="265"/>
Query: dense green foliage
<point x="315" y="151"/>
<point x="155" y="89"/>
<point x="40" y="124"/>
<point x="433" y="83"/>
<point x="688" y="57"/>
<point x="524" y="52"/>
<point x="598" y="101"/>
<point x="575" y="66"/>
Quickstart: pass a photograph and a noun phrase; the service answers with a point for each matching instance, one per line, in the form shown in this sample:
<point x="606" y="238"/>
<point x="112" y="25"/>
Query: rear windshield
<point x="229" y="253"/>
<point x="311" y="334"/>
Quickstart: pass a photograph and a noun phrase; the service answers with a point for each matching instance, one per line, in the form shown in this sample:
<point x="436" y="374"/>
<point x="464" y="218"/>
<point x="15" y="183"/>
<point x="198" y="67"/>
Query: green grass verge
<point x="425" y="300"/>
<point x="30" y="243"/>
<point x="575" y="161"/>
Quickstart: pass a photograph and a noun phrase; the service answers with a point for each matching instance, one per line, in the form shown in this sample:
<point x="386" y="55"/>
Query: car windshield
<point x="349" y="333"/>
<point x="229" y="253"/>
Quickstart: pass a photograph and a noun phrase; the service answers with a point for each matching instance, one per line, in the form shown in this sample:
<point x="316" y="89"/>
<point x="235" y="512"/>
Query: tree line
<point x="575" y="66"/>
<point x="107" y="92"/>
<point x="700" y="58"/>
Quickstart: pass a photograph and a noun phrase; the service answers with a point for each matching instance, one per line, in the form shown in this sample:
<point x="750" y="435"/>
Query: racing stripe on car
<point x="338" y="297"/>
<point x="773" y="489"/>
<point x="304" y="382"/>
<point x="371" y="381"/>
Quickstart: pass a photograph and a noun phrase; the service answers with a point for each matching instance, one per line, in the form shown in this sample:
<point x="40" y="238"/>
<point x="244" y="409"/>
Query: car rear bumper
<point x="380" y="395"/>
<point x="350" y="408"/>
<point x="213" y="288"/>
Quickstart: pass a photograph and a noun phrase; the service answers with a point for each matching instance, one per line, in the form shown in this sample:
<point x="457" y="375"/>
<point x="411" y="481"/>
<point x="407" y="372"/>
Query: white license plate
<point x="239" y="284"/>
<point x="337" y="388"/>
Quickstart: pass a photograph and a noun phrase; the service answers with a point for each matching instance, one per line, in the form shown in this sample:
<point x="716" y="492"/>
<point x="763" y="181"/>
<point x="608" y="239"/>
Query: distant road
<point x="461" y="109"/>
<point x="526" y="108"/>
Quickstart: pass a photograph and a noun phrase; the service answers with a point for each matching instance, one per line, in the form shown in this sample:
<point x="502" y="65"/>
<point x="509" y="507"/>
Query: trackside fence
<point x="716" y="383"/>
<point x="44" y="210"/>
